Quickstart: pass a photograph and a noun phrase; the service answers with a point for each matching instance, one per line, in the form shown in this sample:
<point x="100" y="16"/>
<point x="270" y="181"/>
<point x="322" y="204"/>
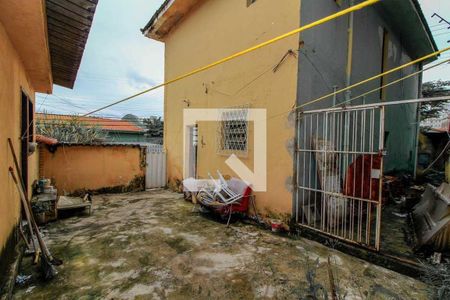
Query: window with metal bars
<point x="233" y="131"/>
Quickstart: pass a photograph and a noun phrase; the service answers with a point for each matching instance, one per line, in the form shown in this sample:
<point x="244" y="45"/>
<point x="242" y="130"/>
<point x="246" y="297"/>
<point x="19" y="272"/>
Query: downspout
<point x="418" y="119"/>
<point x="349" y="52"/>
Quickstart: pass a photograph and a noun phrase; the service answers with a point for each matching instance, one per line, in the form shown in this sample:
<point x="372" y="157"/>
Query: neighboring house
<point x="41" y="44"/>
<point x="277" y="77"/>
<point x="114" y="130"/>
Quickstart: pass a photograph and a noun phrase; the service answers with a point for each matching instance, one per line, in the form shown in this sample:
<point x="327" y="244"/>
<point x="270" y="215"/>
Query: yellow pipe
<point x="393" y="82"/>
<point x="241" y="53"/>
<point x="350" y="49"/>
<point x="375" y="77"/>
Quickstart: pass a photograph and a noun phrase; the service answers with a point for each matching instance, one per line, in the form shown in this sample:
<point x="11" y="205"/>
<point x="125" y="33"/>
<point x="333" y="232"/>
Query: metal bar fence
<point x="339" y="162"/>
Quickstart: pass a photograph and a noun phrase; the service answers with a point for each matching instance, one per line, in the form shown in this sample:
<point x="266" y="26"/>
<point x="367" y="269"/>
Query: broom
<point x="53" y="260"/>
<point x="47" y="268"/>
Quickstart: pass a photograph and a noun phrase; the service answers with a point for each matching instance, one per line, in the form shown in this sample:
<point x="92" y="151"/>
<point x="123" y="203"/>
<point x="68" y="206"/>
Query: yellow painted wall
<point x="12" y="78"/>
<point x="216" y="29"/>
<point x="74" y="168"/>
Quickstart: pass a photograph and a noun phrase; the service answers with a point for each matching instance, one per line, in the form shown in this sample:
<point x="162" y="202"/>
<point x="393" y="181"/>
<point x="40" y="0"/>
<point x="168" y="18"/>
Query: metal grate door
<point x="155" y="176"/>
<point x="339" y="168"/>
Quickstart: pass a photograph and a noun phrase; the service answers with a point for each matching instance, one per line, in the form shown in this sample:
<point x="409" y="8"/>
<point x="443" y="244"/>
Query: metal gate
<point x="339" y="167"/>
<point x="155" y="176"/>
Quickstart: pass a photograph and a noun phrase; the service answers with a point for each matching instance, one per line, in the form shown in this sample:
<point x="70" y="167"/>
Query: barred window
<point x="233" y="131"/>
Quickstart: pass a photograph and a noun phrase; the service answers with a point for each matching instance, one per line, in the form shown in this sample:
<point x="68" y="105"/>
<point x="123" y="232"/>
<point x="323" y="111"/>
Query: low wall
<point x="76" y="169"/>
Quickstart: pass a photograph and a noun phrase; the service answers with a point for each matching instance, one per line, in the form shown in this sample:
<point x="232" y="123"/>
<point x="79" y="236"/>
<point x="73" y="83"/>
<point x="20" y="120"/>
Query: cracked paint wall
<point x="92" y="168"/>
<point x="248" y="80"/>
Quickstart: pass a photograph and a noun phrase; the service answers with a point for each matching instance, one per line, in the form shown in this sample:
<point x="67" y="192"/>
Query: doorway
<point x="192" y="143"/>
<point x="26" y="135"/>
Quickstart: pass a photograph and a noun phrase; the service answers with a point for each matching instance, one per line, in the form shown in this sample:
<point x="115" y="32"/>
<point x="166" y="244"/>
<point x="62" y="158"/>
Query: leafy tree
<point x="154" y="126"/>
<point x="434" y="109"/>
<point x="134" y="119"/>
<point x="69" y="131"/>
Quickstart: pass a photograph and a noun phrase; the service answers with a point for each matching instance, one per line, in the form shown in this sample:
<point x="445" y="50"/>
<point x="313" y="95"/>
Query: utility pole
<point x="441" y="19"/>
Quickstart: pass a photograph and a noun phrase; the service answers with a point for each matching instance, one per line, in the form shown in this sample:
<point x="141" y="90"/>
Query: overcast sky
<point x="120" y="61"/>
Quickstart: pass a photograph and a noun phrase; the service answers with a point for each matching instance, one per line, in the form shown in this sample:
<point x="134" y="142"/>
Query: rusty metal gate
<point x="339" y="167"/>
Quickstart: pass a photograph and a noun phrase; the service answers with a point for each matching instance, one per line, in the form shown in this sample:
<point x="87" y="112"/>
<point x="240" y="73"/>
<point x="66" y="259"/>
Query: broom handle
<point x="16" y="163"/>
<point x="24" y="204"/>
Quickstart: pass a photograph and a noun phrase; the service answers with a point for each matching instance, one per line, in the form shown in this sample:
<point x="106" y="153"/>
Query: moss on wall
<point x="136" y="185"/>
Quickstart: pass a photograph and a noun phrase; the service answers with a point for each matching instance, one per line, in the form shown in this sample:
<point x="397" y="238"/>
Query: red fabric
<point x="358" y="182"/>
<point x="241" y="206"/>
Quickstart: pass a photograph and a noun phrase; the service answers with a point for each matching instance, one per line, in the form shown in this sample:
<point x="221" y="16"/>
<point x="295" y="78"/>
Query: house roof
<point x="68" y="23"/>
<point x="115" y="125"/>
<point x="407" y="19"/>
<point x="405" y="16"/>
<point x="169" y="14"/>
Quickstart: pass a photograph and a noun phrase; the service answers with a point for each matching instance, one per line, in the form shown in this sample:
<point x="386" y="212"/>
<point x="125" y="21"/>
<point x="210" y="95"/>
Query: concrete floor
<point x="151" y="245"/>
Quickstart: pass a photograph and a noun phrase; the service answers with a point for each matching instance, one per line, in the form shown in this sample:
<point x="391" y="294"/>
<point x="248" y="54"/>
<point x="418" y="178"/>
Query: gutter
<point x="426" y="28"/>
<point x="156" y="16"/>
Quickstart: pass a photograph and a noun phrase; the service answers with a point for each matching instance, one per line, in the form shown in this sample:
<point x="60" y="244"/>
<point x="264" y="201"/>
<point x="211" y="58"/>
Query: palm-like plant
<point x="69" y="131"/>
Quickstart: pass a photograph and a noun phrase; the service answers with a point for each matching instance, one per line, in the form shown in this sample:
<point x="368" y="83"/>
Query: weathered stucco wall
<point x="13" y="78"/>
<point x="323" y="62"/>
<point x="232" y="26"/>
<point x="74" y="169"/>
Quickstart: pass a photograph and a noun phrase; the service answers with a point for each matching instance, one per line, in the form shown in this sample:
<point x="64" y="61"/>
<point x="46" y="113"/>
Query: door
<point x="26" y="135"/>
<point x="192" y="152"/>
<point x="155" y="176"/>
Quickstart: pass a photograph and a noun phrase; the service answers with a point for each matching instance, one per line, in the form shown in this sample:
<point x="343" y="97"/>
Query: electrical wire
<point x="434" y="54"/>
<point x="296" y="107"/>
<point x="393" y="82"/>
<point x="244" y="52"/>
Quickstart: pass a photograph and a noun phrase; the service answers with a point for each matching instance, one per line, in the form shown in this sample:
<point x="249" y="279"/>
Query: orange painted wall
<point x="73" y="168"/>
<point x="13" y="79"/>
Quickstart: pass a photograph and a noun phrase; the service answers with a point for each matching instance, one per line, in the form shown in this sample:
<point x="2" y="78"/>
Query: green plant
<point x="69" y="131"/>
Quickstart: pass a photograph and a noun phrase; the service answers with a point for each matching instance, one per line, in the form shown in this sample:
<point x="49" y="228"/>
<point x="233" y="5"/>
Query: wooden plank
<point x="67" y="55"/>
<point x="56" y="37"/>
<point x="56" y="10"/>
<point x="67" y="21"/>
<point x="88" y="5"/>
<point x="73" y="9"/>
<point x="62" y="66"/>
<point x="54" y="23"/>
<point x="69" y="30"/>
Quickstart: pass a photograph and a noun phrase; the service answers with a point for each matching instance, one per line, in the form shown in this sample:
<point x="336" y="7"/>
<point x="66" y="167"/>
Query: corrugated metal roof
<point x="103" y="123"/>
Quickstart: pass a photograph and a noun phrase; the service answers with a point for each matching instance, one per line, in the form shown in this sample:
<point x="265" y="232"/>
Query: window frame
<point x="233" y="132"/>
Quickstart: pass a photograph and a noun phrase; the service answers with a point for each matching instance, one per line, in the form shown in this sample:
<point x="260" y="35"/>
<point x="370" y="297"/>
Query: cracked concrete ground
<point x="151" y="245"/>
